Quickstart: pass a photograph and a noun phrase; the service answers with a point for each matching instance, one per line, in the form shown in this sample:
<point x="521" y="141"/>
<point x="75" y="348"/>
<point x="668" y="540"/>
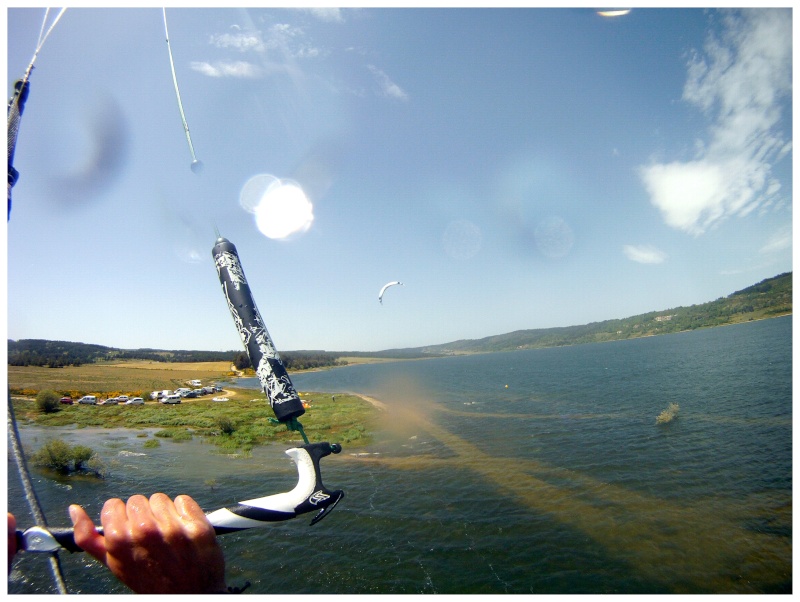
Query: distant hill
<point x="769" y="298"/>
<point x="55" y="354"/>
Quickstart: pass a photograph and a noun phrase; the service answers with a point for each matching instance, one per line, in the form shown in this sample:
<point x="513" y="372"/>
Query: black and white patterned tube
<point x="264" y="357"/>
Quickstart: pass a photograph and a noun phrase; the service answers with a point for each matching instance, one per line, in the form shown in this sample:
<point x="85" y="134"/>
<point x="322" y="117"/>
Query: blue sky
<point x="515" y="169"/>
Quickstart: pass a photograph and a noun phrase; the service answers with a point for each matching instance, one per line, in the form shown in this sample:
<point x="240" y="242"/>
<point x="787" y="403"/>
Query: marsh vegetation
<point x="236" y="425"/>
<point x="669" y="414"/>
<point x="59" y="456"/>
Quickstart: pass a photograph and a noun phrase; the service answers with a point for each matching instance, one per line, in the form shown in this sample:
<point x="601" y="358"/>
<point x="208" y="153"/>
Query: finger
<point x="12" y="523"/>
<point x="188" y="509"/>
<point x="169" y="521"/>
<point x="192" y="515"/>
<point x="12" y="538"/>
<point x="142" y="522"/>
<point x="114" y="518"/>
<point x="164" y="510"/>
<point x="85" y="533"/>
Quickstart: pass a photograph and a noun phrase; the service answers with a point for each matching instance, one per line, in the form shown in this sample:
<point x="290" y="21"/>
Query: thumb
<point x="85" y="533"/>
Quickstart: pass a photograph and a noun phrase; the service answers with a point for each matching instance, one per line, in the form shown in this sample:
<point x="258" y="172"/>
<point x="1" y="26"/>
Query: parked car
<point x="135" y="401"/>
<point x="199" y="392"/>
<point x="88" y="399"/>
<point x="122" y="398"/>
<point x="189" y="395"/>
<point x="66" y="400"/>
<point x="111" y="401"/>
<point x="171" y="399"/>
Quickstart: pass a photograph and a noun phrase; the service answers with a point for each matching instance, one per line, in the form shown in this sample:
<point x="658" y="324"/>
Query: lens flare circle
<point x="281" y="207"/>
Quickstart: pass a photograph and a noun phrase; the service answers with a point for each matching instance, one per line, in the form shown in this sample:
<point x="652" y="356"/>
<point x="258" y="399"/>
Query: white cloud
<point x="239" y="41"/>
<point x="644" y="254"/>
<point x="779" y="241"/>
<point x="740" y="82"/>
<point x="240" y="69"/>
<point x="328" y="14"/>
<point x="281" y="41"/>
<point x="291" y="42"/>
<point x="387" y="86"/>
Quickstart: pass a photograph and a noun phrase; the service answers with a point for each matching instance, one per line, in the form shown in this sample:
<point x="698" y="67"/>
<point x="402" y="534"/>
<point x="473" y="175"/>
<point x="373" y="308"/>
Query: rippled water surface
<point x="540" y="471"/>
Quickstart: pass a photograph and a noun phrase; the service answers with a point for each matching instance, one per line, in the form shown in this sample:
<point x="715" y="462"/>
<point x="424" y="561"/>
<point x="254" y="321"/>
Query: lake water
<point x="538" y="471"/>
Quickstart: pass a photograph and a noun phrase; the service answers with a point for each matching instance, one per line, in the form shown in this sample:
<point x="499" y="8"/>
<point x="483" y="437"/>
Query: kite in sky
<point x="383" y="290"/>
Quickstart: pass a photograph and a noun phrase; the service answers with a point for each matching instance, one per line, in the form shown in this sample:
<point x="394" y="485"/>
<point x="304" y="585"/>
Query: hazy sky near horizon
<point x="514" y="168"/>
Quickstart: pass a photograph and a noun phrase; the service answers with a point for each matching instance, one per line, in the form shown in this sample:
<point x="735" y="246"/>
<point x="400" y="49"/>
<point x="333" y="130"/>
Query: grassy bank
<point x="235" y="425"/>
<point x="134" y="378"/>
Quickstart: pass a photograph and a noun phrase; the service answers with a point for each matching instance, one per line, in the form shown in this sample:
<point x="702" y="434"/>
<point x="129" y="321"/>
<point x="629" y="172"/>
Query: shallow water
<point x="539" y="471"/>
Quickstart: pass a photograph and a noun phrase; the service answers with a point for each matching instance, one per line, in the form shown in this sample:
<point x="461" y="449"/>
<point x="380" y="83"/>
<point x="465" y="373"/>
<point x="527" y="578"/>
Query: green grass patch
<point x="234" y="426"/>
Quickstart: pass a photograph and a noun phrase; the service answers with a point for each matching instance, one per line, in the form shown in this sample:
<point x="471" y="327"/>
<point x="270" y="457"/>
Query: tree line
<point x="58" y="354"/>
<point x="297" y="360"/>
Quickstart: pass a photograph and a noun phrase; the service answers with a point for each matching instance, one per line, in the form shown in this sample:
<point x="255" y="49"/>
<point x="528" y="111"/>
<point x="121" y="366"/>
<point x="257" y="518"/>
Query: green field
<point x="235" y="425"/>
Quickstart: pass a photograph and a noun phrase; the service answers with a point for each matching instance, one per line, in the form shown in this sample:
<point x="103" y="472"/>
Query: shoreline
<point x="377" y="403"/>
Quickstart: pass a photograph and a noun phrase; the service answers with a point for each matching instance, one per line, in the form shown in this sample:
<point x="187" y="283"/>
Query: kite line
<point x="196" y="164"/>
<point x="16" y="106"/>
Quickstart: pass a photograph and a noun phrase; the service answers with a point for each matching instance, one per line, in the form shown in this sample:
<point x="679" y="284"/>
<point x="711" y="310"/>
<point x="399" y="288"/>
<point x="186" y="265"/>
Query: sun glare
<point x="280" y="207"/>
<point x="621" y="12"/>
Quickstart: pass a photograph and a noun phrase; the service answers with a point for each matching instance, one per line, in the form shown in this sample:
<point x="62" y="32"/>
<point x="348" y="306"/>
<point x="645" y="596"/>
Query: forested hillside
<point x="769" y="298"/>
<point x="41" y="352"/>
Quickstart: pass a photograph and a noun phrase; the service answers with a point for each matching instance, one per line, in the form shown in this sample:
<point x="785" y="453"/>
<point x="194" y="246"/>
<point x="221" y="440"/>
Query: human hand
<point x="12" y="539"/>
<point x="155" y="546"/>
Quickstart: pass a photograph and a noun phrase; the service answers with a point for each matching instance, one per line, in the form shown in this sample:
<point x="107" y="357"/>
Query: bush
<point x="48" y="401"/>
<point x="225" y="424"/>
<point x="58" y="455"/>
<point x="81" y="456"/>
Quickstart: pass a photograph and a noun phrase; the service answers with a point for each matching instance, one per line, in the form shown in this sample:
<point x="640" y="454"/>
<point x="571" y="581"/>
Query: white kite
<point x="383" y="290"/>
